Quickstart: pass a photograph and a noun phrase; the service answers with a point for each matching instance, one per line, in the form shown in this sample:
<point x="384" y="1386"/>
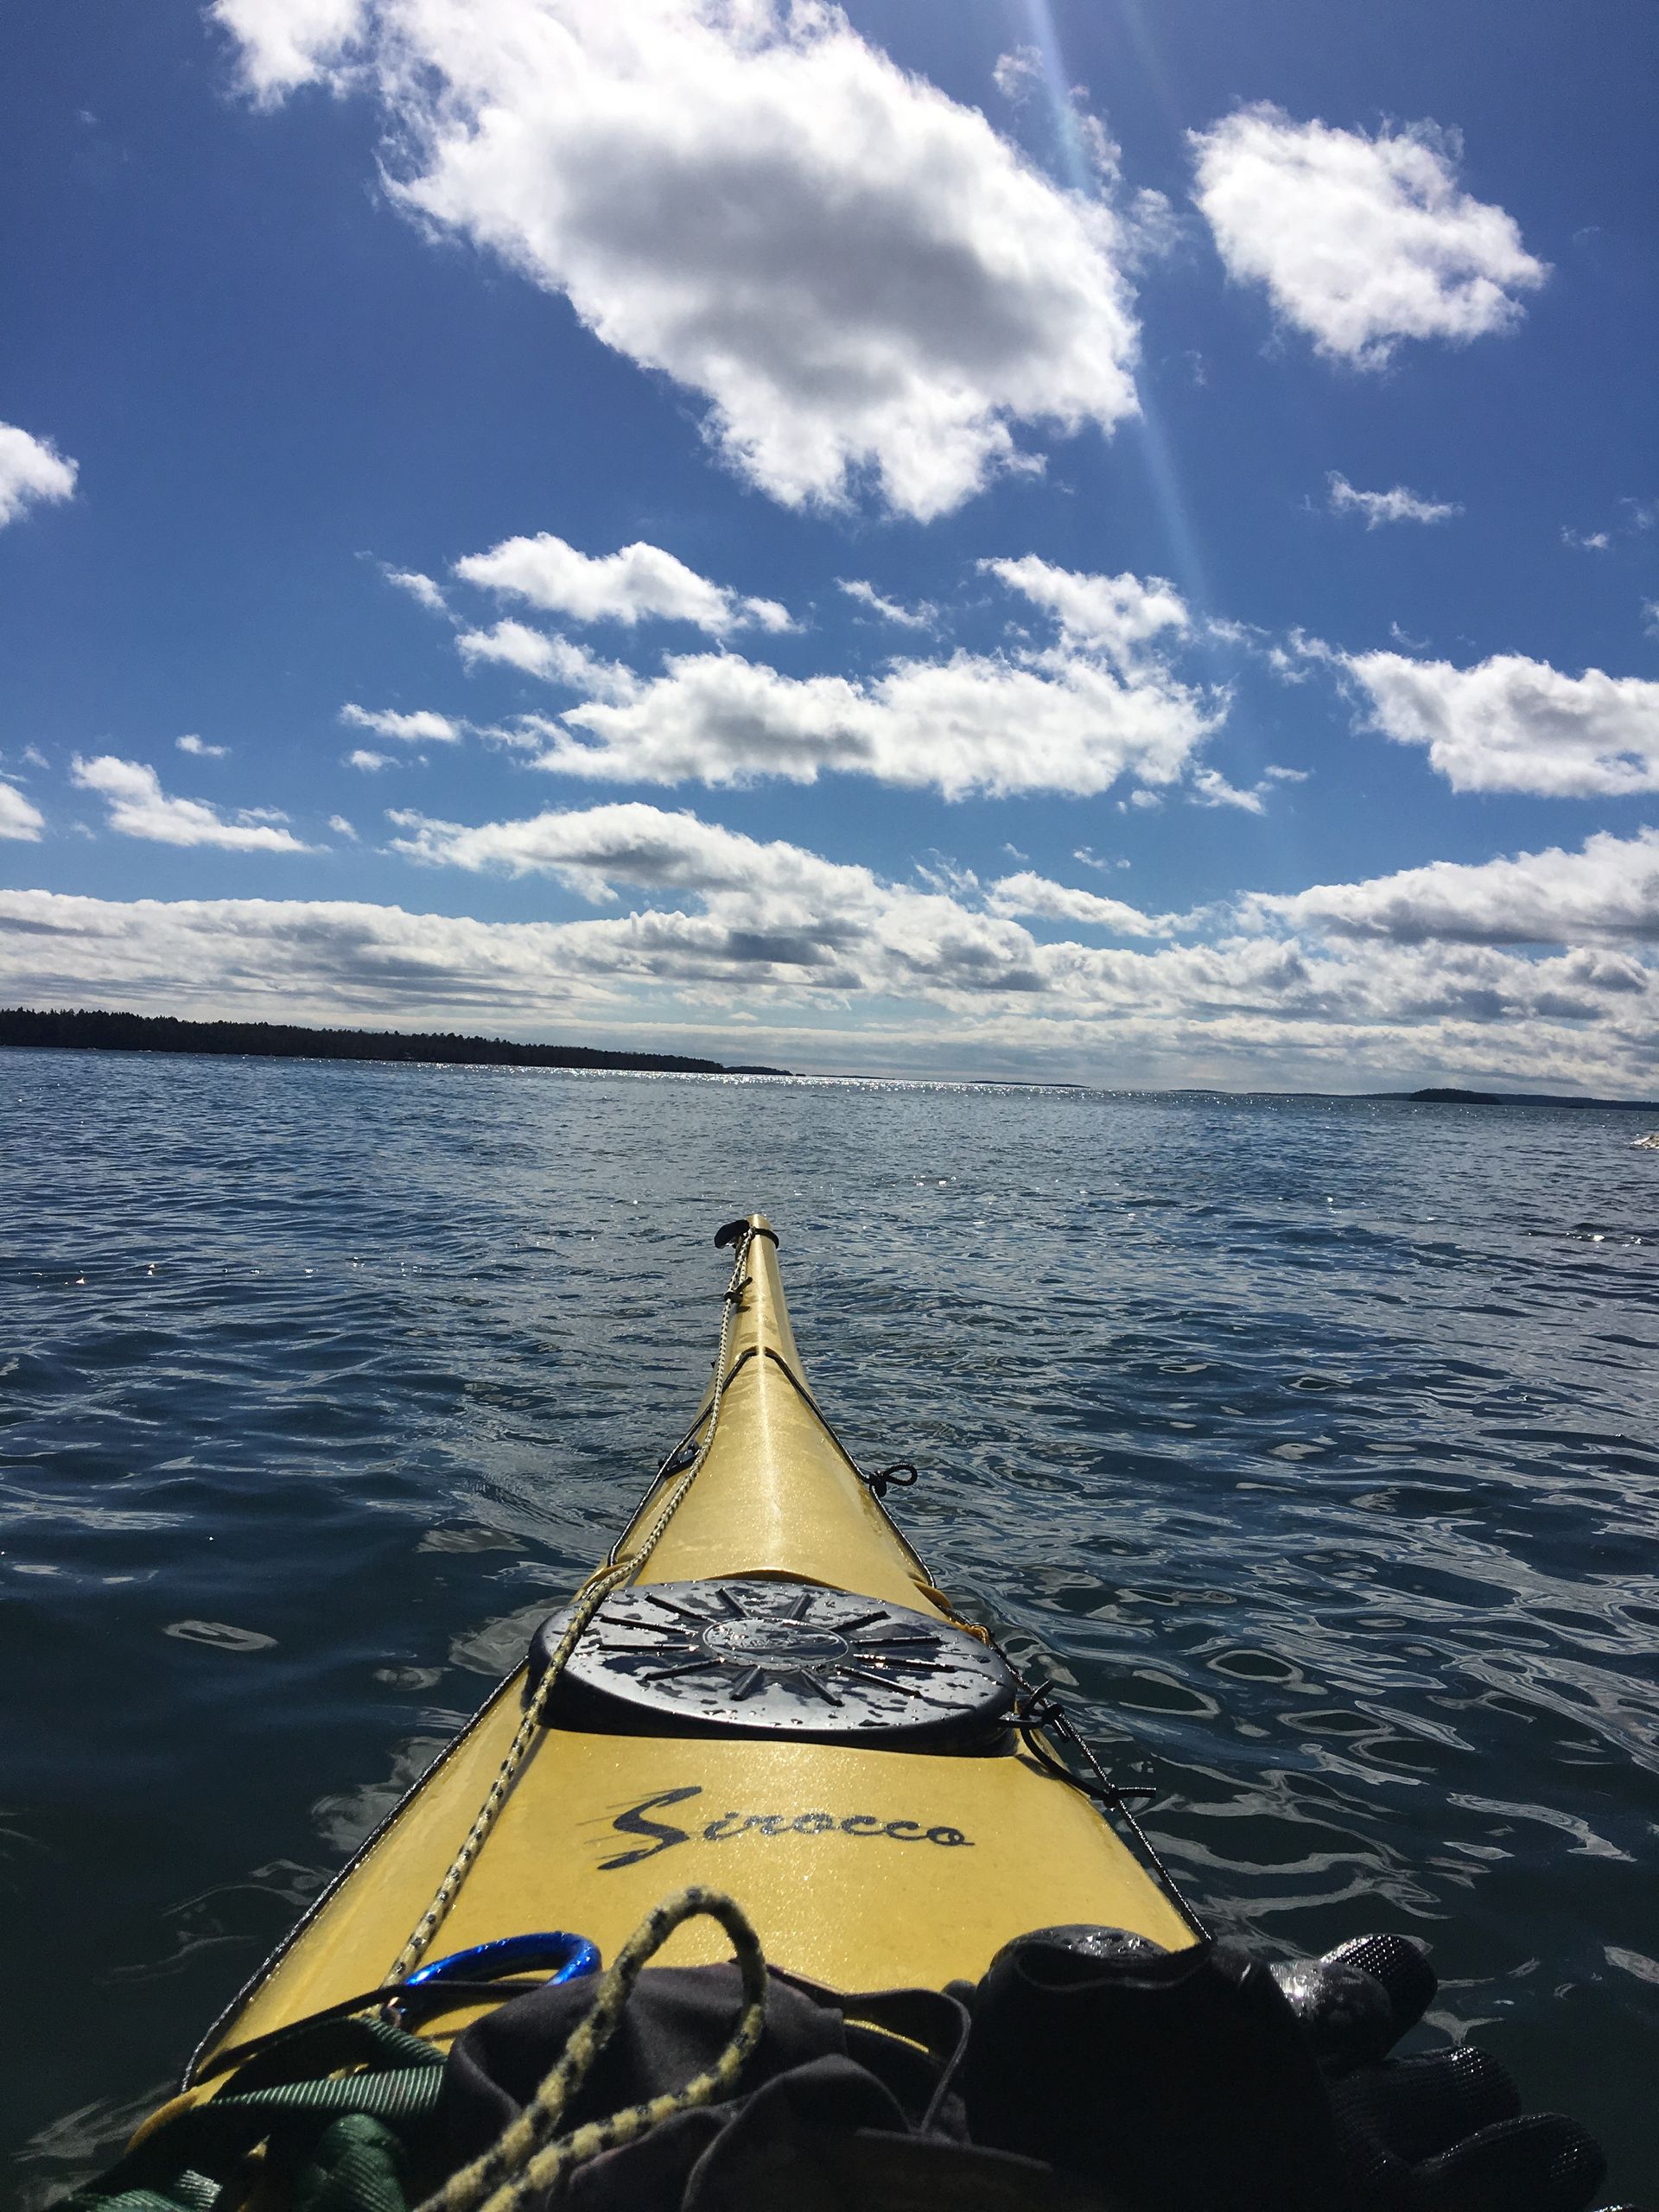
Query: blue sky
<point x="461" y="424"/>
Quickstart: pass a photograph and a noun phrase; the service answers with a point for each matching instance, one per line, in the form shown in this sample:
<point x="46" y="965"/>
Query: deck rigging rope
<point x="522" y="2162"/>
<point x="588" y="1604"/>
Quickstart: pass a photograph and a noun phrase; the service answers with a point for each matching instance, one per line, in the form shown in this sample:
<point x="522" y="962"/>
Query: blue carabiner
<point x="569" y="1956"/>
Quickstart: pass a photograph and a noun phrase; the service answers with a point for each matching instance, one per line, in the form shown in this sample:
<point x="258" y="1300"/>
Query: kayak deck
<point x="859" y="1864"/>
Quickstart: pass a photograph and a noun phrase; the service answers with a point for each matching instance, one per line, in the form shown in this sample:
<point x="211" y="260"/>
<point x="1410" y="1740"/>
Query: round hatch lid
<point x="774" y="1657"/>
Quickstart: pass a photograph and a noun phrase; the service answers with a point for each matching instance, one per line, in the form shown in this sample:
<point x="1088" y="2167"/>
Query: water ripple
<point x="1311" y="1441"/>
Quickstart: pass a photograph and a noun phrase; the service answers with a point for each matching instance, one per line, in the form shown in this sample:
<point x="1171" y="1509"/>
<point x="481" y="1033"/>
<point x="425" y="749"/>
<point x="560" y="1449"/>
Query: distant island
<point x="75" y="1030"/>
<point x="1450" y="1097"/>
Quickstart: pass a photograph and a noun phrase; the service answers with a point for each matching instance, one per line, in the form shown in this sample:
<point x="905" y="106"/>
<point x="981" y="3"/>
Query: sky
<point x="1100" y="542"/>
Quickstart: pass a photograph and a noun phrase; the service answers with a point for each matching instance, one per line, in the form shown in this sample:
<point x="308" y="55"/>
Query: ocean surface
<point x="1313" y="1442"/>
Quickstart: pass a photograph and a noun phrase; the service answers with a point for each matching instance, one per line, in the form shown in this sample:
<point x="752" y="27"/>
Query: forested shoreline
<point x="77" y="1029"/>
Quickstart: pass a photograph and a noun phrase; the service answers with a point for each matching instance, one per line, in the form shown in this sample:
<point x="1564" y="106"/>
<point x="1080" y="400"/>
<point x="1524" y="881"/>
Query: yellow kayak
<point x="759" y="1727"/>
<point x="764" y="1694"/>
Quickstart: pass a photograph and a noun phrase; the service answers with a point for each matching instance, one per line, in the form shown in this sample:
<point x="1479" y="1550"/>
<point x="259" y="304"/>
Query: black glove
<point x="1202" y="2081"/>
<point x="1444" y="2132"/>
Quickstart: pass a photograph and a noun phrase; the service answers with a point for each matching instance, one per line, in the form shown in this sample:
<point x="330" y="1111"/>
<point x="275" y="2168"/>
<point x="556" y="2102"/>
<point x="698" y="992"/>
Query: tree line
<point x="77" y="1029"/>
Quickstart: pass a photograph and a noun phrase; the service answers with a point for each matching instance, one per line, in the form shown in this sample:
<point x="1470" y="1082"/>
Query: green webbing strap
<point x="357" y="2167"/>
<point x="354" y="2163"/>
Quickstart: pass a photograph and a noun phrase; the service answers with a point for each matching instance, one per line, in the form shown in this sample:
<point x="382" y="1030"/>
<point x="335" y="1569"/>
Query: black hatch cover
<point x="774" y="1657"/>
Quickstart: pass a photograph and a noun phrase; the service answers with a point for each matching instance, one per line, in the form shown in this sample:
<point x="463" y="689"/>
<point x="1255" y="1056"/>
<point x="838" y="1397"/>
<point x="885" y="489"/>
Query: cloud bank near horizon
<point x="1424" y="969"/>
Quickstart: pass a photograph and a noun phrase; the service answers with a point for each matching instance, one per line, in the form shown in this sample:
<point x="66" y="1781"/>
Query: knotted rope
<point x="522" y="2162"/>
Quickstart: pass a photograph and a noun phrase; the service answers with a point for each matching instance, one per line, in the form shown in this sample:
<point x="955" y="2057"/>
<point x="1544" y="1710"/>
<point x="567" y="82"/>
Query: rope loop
<point x="880" y="1480"/>
<point x="1039" y="1708"/>
<point x="530" y="2157"/>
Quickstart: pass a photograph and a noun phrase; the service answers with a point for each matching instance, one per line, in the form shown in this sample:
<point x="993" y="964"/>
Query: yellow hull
<point x="859" y="1865"/>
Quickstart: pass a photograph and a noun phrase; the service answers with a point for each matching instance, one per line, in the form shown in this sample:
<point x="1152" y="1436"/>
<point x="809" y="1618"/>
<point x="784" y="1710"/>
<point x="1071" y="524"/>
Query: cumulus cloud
<point x="1094" y="707"/>
<point x="19" y="817"/>
<point x="554" y="659"/>
<point x="424" y="727"/>
<point x="139" y="807"/>
<point x="768" y="909"/>
<point x="1116" y="616"/>
<point x="342" y="827"/>
<point x="818" y="960"/>
<point x="1359" y="241"/>
<point x="199" y="749"/>
<point x="774" y="914"/>
<point x="1585" y="541"/>
<point x="1608" y="890"/>
<point x="369" y="762"/>
<point x="1377" y="507"/>
<point x="283" y="43"/>
<point x="860" y="277"/>
<point x="420" y="589"/>
<point x="32" y="470"/>
<point x="640" y="583"/>
<point x="1510" y="724"/>
<point x="922" y="617"/>
<point x="591" y="849"/>
<point x="1212" y="788"/>
<point x="973" y="723"/>
<point x="1029" y="893"/>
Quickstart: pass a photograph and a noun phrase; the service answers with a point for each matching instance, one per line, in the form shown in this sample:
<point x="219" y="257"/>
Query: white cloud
<point x="1359" y="241"/>
<point x="1650" y="617"/>
<point x="199" y="749"/>
<point x="367" y="762"/>
<point x="1609" y="890"/>
<point x="1017" y="73"/>
<point x="1510" y="724"/>
<point x="286" y="42"/>
<point x="1028" y="893"/>
<point x="1077" y="716"/>
<point x="519" y="646"/>
<point x="1116" y="615"/>
<point x="862" y="279"/>
<point x="420" y="588"/>
<point x="139" y="807"/>
<point x="554" y="659"/>
<point x="973" y="723"/>
<point x="590" y="849"/>
<point x="31" y="470"/>
<point x="342" y="827"/>
<point x="1212" y="788"/>
<point x="922" y="617"/>
<point x="424" y="727"/>
<point x="1397" y="505"/>
<point x="1585" y="541"/>
<point x="809" y="960"/>
<point x="770" y="910"/>
<point x="19" y="817"/>
<point x="640" y="583"/>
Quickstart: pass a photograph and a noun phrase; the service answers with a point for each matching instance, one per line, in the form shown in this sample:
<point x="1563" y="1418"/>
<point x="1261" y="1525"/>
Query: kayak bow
<point x="770" y="1698"/>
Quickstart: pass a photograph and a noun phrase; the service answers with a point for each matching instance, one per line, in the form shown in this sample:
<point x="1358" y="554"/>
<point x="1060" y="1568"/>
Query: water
<point x="1313" y="1442"/>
